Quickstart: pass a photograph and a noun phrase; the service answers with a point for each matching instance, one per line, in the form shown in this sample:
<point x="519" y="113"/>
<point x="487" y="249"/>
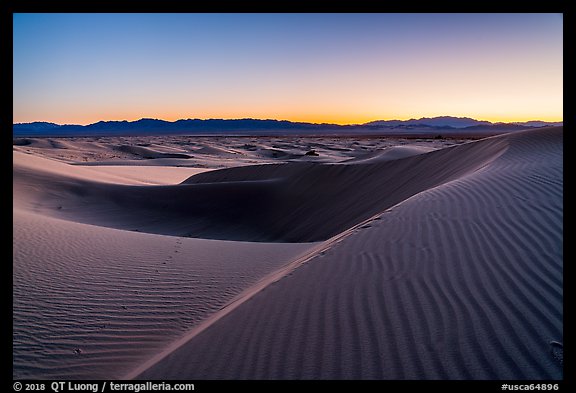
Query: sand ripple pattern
<point x="93" y="303"/>
<point x="462" y="281"/>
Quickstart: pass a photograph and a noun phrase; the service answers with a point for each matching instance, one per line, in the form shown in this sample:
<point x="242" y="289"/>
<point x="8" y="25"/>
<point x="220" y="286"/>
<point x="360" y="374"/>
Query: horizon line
<point x="291" y="121"/>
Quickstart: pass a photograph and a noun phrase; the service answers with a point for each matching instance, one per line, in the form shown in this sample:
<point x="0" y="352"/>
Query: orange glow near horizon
<point x="340" y="120"/>
<point x="318" y="68"/>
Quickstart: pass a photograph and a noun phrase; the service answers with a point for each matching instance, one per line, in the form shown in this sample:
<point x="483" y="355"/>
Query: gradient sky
<point x="338" y="68"/>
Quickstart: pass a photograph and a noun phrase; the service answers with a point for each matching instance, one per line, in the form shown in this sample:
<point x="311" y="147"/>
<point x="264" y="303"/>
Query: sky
<point x="334" y="68"/>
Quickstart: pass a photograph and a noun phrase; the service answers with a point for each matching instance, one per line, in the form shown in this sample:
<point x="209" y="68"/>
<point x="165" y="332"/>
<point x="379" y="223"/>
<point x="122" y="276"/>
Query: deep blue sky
<point x="345" y="68"/>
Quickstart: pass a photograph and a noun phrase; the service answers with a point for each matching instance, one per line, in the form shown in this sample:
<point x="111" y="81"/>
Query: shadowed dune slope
<point x="462" y="281"/>
<point x="390" y="153"/>
<point x="290" y="202"/>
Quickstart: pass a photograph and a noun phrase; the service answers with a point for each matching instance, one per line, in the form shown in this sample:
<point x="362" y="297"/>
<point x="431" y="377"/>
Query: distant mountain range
<point x="441" y="121"/>
<point x="424" y="125"/>
<point x="457" y="122"/>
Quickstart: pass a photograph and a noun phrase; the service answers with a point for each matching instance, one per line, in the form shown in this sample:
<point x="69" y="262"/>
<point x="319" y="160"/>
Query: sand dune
<point x="39" y="170"/>
<point x="93" y="303"/>
<point x="289" y="202"/>
<point x="462" y="281"/>
<point x="215" y="151"/>
<point x="390" y="153"/>
<point x="208" y="152"/>
<point x="388" y="262"/>
<point x="146" y="152"/>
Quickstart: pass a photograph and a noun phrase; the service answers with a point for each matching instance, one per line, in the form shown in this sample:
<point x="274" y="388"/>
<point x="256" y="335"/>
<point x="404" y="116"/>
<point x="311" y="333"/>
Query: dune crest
<point x="462" y="281"/>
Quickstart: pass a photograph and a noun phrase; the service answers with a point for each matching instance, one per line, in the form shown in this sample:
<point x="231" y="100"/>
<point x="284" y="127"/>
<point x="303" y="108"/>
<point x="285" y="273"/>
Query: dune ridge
<point x="461" y="281"/>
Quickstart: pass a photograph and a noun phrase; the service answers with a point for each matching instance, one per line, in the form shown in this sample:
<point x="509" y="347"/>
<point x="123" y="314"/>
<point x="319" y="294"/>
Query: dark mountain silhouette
<point x="37" y="125"/>
<point x="183" y="126"/>
<point x="539" y="123"/>
<point x="441" y="121"/>
<point x="248" y="126"/>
